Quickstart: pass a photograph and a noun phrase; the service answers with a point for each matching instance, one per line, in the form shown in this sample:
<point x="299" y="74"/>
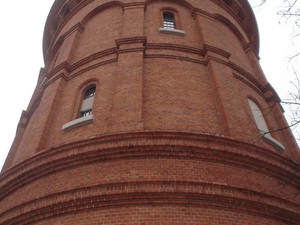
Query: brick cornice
<point x="190" y="146"/>
<point x="134" y="5"/>
<point x="132" y="44"/>
<point x="177" y="47"/>
<point x="169" y="56"/>
<point x="82" y="65"/>
<point x="128" y="194"/>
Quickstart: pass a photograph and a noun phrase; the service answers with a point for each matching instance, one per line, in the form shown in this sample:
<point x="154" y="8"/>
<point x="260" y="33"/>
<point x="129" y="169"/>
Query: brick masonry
<point x="172" y="140"/>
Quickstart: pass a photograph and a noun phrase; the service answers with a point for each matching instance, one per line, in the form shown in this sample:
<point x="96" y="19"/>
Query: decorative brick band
<point x="153" y="193"/>
<point x="198" y="56"/>
<point x="151" y="144"/>
<point x="157" y="50"/>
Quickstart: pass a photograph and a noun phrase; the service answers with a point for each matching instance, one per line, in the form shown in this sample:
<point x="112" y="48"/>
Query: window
<point x="168" y="20"/>
<point x="259" y="118"/>
<point x="87" y="102"/>
<point x="85" y="116"/>
<point x="262" y="125"/>
<point x="90" y="93"/>
<point x="169" y="24"/>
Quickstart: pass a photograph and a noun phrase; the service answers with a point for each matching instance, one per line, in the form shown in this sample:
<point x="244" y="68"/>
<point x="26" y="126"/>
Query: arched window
<point x="87" y="102"/>
<point x="168" y="20"/>
<point x="262" y="124"/>
<point x="259" y="118"/>
<point x="85" y="115"/>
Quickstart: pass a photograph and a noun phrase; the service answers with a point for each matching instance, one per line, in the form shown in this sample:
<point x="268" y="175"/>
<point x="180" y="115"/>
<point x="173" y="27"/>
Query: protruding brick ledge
<point x="153" y="193"/>
<point x="191" y="146"/>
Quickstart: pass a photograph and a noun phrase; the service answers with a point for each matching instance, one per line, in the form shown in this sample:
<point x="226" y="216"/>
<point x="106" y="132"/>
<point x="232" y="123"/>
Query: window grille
<point x="169" y="20"/>
<point x="86" y="113"/>
<point x="87" y="102"/>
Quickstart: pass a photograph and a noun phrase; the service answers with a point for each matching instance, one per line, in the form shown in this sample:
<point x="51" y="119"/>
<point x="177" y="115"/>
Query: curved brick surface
<point x="172" y="139"/>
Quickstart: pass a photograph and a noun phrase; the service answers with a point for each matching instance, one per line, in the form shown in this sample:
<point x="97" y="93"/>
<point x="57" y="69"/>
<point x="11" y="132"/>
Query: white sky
<point x="21" y="56"/>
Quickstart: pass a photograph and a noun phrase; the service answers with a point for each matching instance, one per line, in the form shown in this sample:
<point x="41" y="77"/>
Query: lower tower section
<point x="153" y="177"/>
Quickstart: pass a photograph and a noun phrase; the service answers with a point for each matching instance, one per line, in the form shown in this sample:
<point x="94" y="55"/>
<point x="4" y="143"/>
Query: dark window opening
<point x="87" y="102"/>
<point x="86" y="113"/>
<point x="169" y="20"/>
<point x="90" y="93"/>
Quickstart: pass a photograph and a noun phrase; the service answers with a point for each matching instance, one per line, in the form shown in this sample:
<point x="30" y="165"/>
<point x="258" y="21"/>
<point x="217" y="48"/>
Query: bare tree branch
<point x="280" y="129"/>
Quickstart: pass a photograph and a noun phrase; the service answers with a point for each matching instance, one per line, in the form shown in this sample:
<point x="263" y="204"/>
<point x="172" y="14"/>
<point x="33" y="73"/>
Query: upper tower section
<point x="238" y="10"/>
<point x="113" y="67"/>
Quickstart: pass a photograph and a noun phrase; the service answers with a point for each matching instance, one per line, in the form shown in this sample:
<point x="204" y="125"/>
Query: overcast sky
<point x="21" y="56"/>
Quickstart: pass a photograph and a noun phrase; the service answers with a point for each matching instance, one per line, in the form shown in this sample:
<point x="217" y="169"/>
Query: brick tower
<point x="151" y="112"/>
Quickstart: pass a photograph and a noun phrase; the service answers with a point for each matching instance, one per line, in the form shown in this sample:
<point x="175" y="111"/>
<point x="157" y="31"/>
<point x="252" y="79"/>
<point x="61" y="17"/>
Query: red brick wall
<point x="173" y="140"/>
<point x="195" y="82"/>
<point x="153" y="215"/>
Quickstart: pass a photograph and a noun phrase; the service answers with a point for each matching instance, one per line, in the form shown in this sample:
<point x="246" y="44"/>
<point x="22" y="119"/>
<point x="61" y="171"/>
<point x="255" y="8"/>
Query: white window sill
<point x="78" y="122"/>
<point x="272" y="140"/>
<point x="172" y="31"/>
